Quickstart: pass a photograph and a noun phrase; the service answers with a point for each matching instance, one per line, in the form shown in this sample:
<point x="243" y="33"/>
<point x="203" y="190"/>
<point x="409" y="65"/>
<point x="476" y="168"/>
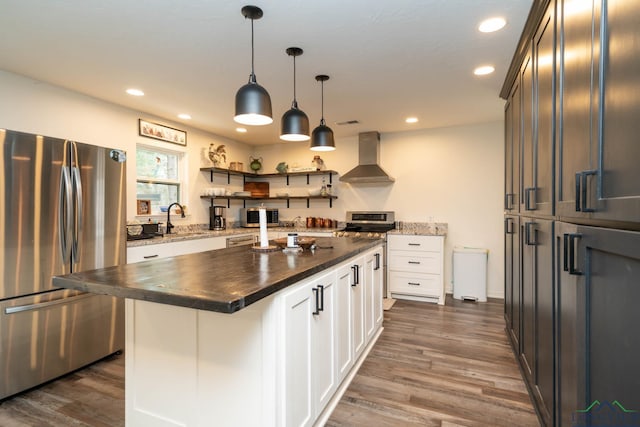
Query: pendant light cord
<point x="322" y="122"/>
<point x="253" y="75"/>
<point x="294" y="81"/>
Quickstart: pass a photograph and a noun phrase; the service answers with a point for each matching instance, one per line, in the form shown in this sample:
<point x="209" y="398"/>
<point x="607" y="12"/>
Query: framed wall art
<point x="161" y="132"/>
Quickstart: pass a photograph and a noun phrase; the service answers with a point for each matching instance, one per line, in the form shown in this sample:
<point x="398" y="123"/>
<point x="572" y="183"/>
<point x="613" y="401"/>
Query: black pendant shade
<point x="295" y="123"/>
<point x="253" y="103"/>
<point x="322" y="136"/>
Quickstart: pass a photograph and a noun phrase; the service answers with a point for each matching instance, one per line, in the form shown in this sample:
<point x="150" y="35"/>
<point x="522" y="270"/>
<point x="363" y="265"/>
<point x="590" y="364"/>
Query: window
<point x="159" y="176"/>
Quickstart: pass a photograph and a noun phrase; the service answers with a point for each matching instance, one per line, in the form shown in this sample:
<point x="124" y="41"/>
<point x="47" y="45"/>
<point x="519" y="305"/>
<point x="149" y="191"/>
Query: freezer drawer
<point x="47" y="335"/>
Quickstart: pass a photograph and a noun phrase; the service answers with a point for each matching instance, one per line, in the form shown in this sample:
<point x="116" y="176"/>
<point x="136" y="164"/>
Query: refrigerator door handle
<point x="77" y="190"/>
<point x="36" y="306"/>
<point x="64" y="214"/>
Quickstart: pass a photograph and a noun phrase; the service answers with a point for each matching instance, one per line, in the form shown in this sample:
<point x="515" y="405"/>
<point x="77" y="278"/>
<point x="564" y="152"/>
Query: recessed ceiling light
<point x="411" y="120"/>
<point x="484" y="70"/>
<point x="492" y="24"/>
<point x="241" y="130"/>
<point x="135" y="92"/>
<point x="184" y="116"/>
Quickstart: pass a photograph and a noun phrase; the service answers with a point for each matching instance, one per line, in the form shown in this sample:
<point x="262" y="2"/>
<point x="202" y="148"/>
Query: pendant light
<point x="322" y="136"/>
<point x="253" y="104"/>
<point x="295" y="123"/>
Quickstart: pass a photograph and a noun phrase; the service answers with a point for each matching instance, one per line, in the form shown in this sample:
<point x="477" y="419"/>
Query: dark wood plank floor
<point x="432" y="366"/>
<point x="439" y="366"/>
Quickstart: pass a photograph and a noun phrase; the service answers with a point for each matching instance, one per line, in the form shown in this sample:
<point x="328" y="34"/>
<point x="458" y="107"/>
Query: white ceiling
<point x="387" y="59"/>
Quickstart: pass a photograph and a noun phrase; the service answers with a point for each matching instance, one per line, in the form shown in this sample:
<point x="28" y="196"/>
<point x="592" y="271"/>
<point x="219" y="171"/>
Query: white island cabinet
<point x="282" y="361"/>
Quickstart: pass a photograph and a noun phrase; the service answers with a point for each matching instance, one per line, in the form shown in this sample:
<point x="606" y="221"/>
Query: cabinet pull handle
<point x="508" y="226"/>
<point x="150" y="256"/>
<point x="317" y="297"/>
<point x="583" y="193"/>
<point x="413" y="283"/>
<point x="354" y="269"/>
<point x="565" y="257"/>
<point x="572" y="254"/>
<point x="377" y="256"/>
<point x="413" y="262"/>
<point x="581" y="190"/>
<point x="527" y="199"/>
<point x="321" y="288"/>
<point x="509" y="198"/>
<point x="530" y="234"/>
<point x="413" y="244"/>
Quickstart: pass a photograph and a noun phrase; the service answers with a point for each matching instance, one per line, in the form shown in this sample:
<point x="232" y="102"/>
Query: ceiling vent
<point x="368" y="170"/>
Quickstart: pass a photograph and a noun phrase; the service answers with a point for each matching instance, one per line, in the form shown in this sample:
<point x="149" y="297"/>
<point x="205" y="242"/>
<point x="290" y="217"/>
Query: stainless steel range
<point x="370" y="225"/>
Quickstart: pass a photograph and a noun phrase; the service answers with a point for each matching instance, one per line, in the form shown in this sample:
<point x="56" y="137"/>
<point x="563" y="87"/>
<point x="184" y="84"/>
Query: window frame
<point x="181" y="166"/>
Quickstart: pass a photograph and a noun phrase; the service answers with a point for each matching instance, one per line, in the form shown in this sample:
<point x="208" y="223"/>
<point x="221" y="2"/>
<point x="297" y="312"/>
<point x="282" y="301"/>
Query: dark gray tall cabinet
<point x="572" y="210"/>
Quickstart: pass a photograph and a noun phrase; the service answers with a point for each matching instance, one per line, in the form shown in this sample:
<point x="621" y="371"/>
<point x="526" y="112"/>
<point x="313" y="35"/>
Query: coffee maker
<point x="217" y="220"/>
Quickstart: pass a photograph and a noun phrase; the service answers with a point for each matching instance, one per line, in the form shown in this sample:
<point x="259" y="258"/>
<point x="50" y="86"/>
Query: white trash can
<point x="470" y="273"/>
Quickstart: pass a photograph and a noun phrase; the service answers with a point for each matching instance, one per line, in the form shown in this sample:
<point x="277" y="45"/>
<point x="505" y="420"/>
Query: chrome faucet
<point x="169" y="225"/>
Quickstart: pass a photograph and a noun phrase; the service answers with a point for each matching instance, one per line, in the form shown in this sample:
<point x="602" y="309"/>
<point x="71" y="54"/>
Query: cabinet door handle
<point x="354" y="269"/>
<point x="573" y="238"/>
<point x="413" y="283"/>
<point x="583" y="193"/>
<point x="508" y="201"/>
<point x="530" y="234"/>
<point x="565" y="257"/>
<point x="528" y="205"/>
<point x="321" y="287"/>
<point x="150" y="256"/>
<point x="508" y="226"/>
<point x="316" y="294"/>
<point x="581" y="190"/>
<point x="377" y="257"/>
<point x="413" y="262"/>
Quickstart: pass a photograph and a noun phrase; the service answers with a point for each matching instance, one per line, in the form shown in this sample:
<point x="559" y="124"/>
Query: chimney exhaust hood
<point x="368" y="170"/>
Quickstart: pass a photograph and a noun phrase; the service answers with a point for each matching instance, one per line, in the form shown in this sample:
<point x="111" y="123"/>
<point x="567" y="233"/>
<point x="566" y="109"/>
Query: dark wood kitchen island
<point x="237" y="337"/>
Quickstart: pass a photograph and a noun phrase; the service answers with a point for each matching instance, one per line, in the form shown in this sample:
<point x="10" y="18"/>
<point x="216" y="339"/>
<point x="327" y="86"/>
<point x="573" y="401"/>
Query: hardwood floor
<point x="93" y="396"/>
<point x="432" y="366"/>
<point x="439" y="366"/>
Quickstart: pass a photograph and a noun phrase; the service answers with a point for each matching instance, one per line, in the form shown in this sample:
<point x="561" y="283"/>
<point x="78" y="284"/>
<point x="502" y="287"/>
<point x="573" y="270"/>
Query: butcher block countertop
<point x="224" y="280"/>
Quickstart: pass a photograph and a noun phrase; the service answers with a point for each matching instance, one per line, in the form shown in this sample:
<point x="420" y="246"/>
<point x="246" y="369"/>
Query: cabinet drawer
<point x="419" y="262"/>
<point x="415" y="284"/>
<point x="415" y="243"/>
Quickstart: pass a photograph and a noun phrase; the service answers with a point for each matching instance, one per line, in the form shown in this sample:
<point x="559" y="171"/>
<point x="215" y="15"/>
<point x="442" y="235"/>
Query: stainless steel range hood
<point x="368" y="170"/>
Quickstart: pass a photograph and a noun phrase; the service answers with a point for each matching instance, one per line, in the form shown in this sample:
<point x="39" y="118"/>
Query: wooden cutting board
<point x="257" y="189"/>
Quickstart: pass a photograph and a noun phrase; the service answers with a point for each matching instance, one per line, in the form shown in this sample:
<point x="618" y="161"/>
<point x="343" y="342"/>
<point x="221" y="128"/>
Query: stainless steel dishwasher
<point x="248" y="239"/>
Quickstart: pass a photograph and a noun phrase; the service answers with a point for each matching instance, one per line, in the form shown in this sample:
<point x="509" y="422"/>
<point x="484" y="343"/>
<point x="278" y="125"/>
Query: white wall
<point x="451" y="175"/>
<point x="31" y="106"/>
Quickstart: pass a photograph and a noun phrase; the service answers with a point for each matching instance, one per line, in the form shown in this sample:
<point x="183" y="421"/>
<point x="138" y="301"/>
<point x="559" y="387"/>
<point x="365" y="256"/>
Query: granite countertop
<point x="197" y="232"/>
<point x="421" y="228"/>
<point x="224" y="280"/>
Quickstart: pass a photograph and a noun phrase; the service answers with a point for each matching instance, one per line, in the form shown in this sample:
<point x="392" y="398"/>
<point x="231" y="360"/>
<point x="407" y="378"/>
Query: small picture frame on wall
<point x="144" y="207"/>
<point x="161" y="132"/>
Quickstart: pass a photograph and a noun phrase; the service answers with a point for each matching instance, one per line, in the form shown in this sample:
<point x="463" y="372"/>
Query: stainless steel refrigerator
<point x="62" y="210"/>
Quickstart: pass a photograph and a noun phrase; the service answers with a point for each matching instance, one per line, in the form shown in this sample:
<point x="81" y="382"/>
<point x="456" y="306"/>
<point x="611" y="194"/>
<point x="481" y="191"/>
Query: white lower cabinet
<point x="297" y="403"/>
<point x="164" y="250"/>
<point x="345" y="320"/>
<point x="289" y="355"/>
<point x="416" y="267"/>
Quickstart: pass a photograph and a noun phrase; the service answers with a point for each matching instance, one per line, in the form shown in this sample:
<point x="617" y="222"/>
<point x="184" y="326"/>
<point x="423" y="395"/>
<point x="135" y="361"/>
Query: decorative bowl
<point x="303" y="242"/>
